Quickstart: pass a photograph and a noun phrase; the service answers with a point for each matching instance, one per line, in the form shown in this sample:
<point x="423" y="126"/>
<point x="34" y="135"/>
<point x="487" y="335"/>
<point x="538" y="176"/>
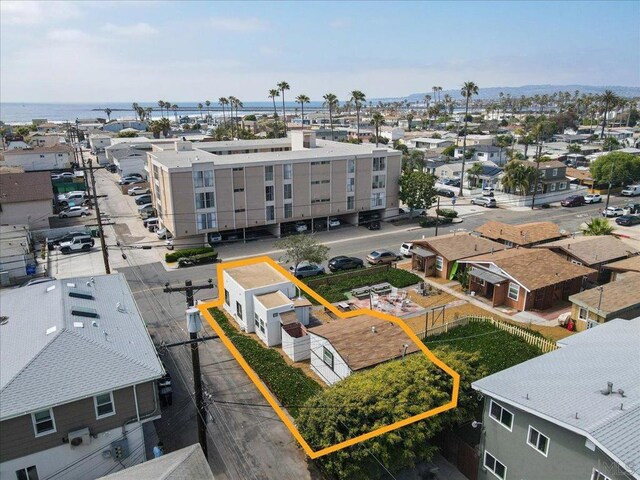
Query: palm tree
<point x="232" y="101"/>
<point x="609" y="99"/>
<point x="302" y="99"/>
<point x="598" y="226"/>
<point x="282" y="86"/>
<point x="358" y="98"/>
<point x="108" y="112"/>
<point x="222" y="101"/>
<point x="200" y="107"/>
<point x="208" y="104"/>
<point x="161" y="105"/>
<point x="235" y="102"/>
<point x="468" y="90"/>
<point x="517" y="176"/>
<point x="174" y="107"/>
<point x="427" y="99"/>
<point x="273" y="93"/>
<point x="148" y="111"/>
<point x="330" y="101"/>
<point x="378" y="120"/>
<point x="135" y="107"/>
<point x="474" y="173"/>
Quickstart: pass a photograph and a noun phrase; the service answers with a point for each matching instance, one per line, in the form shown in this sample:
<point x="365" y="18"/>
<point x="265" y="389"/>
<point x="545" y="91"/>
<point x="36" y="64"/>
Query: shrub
<point x="187" y="252"/>
<point x="198" y="259"/>
<point x="431" y="221"/>
<point x="447" y="212"/>
<point x="289" y="384"/>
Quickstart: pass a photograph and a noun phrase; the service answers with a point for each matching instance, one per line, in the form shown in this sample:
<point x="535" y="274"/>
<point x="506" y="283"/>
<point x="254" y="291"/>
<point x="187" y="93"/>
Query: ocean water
<point x="60" y="112"/>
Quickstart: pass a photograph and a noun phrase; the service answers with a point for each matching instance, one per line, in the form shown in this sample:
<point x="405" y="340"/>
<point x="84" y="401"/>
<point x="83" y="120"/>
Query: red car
<point x="573" y="201"/>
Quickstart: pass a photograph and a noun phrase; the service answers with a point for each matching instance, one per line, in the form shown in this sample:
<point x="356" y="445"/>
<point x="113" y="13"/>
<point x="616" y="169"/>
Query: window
<point x="351" y="202"/>
<point x="268" y="173"/>
<point x="494" y="466"/>
<point x="261" y="325"/>
<point x="27" y="473"/>
<point x="321" y="200"/>
<point x="205" y="200"/>
<point x="324" y="162"/>
<point x="379" y="164"/>
<point x="514" y="291"/>
<point x="226" y="297"/>
<point x="238" y="190"/>
<point x="271" y="213"/>
<point x="327" y="357"/>
<point x="239" y="310"/>
<point x="318" y="182"/>
<point x="439" y="263"/>
<point x="43" y="422"/>
<point x="552" y="187"/>
<point x="104" y="405"/>
<point x="377" y="200"/>
<point x="351" y="165"/>
<point x="351" y="184"/>
<point x="555" y="172"/>
<point x="238" y="169"/>
<point x="538" y="441"/>
<point x="268" y="193"/>
<point x="206" y="220"/>
<point x="501" y="415"/>
<point x="239" y="210"/>
<point x="575" y="262"/>
<point x="596" y="475"/>
<point x="583" y="313"/>
<point x="203" y="178"/>
<point x="287" y="170"/>
<point x="562" y="186"/>
<point x="288" y="210"/>
<point x="288" y="191"/>
<point x="508" y="243"/>
<point x="378" y="181"/>
<point x="256" y="320"/>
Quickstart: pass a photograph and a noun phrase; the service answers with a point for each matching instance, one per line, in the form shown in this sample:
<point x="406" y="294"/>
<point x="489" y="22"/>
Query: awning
<point x="422" y="252"/>
<point x="486" y="275"/>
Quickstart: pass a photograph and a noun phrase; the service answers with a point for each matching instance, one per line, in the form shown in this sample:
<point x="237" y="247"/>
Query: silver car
<point x="487" y="202"/>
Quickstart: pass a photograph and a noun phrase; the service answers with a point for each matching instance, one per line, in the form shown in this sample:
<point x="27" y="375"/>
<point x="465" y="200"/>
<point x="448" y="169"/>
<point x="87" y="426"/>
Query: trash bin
<point x="95" y="233"/>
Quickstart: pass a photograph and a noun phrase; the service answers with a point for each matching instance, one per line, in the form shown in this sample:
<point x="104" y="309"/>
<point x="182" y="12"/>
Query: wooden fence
<point x="532" y="339"/>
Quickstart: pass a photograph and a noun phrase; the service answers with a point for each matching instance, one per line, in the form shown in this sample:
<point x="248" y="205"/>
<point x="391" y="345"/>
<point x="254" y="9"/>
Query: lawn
<point x="498" y="349"/>
<point x="289" y="384"/>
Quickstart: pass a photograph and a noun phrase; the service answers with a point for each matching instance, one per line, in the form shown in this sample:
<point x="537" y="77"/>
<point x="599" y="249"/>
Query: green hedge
<point x="187" y="252"/>
<point x="335" y="291"/>
<point x="447" y="212"/>
<point x="431" y="221"/>
<point x="198" y="259"/>
<point x="291" y="386"/>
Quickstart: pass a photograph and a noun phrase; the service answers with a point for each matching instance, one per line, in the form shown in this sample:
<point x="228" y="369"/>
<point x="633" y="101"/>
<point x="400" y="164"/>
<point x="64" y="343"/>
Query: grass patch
<point x="289" y="384"/>
<point x="498" y="349"/>
<point x="187" y="252"/>
<point x="335" y="290"/>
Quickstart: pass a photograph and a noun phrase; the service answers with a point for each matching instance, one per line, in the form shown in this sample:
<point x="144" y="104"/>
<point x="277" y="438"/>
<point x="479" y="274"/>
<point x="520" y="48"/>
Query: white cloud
<point x="340" y="23"/>
<point x="136" y="30"/>
<point x="69" y="35"/>
<point x="27" y="13"/>
<point x="238" y="24"/>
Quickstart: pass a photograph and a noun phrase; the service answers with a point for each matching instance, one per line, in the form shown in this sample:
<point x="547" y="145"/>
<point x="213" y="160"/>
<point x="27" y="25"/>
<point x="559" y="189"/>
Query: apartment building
<point x="241" y="187"/>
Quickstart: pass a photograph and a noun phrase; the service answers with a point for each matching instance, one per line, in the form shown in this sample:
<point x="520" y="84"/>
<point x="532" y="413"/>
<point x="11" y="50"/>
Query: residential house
<point x="581" y="177"/>
<point x="484" y="153"/>
<point x="622" y="268"/>
<point x="26" y="198"/>
<point x="16" y="254"/>
<point x="553" y="176"/>
<point x="44" y="158"/>
<point x="593" y="251"/>
<point x="571" y="413"/>
<point x="474" y="140"/>
<point x="619" y="299"/>
<point x="130" y="160"/>
<point x="525" y="278"/>
<point x="439" y="256"/>
<point x="49" y="127"/>
<point x="429" y="143"/>
<point x="119" y="125"/>
<point x="349" y="345"/>
<point x="489" y="176"/>
<point x="522" y="235"/>
<point x="98" y="142"/>
<point x="335" y="135"/>
<point x="78" y="379"/>
<point x="258" y="297"/>
<point x="241" y="186"/>
<point x="45" y="140"/>
<point x="16" y="144"/>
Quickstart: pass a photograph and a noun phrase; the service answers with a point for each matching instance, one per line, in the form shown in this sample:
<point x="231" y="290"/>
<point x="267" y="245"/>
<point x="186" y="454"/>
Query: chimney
<point x="609" y="389"/>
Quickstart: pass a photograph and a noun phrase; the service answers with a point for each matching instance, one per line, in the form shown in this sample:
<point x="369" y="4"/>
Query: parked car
<point x="628" y="220"/>
<point x="632" y="207"/>
<point x="373" y="225"/>
<point x="573" y="201"/>
<point x="443" y="192"/>
<point x="162" y="233"/>
<point x="74" y="212"/>
<point x="54" y="242"/>
<point x="452" y="182"/>
<point x="306" y="269"/>
<point x="592" y="198"/>
<point x="379" y="257"/>
<point x="301" y="227"/>
<point x="487" y="202"/>
<point x="631" y="191"/>
<point x="405" y="249"/>
<point x="345" y="263"/>
<point x="78" y="244"/>
<point x="133" y="191"/>
<point x="63" y="175"/>
<point x="150" y="220"/>
<point x="612" y="212"/>
<point x="334" y="222"/>
<point x="143" y="199"/>
<point x="129" y="180"/>
<point x="214" y="237"/>
<point x="77" y="198"/>
<point x="111" y="168"/>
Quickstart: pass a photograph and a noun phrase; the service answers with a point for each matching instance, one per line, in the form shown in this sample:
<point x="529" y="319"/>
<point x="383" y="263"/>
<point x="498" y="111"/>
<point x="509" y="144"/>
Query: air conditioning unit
<point x="79" y="438"/>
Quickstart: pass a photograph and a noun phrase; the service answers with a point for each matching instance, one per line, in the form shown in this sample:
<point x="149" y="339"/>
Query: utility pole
<point x="437" y="215"/>
<point x="537" y="175"/>
<point x="610" y="183"/>
<point x="194" y="325"/>
<point x="103" y="244"/>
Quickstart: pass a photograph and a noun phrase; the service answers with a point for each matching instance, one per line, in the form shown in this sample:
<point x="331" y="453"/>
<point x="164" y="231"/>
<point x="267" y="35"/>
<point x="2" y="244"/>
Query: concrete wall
<point x="36" y="214"/>
<point x="297" y="344"/>
<point x="127" y="166"/>
<point x="340" y="369"/>
<point x="272" y="335"/>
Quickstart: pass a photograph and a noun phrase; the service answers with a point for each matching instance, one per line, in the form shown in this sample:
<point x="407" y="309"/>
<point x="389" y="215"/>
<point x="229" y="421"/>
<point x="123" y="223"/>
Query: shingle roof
<point x="523" y="234"/>
<point x="71" y="362"/>
<point x="457" y="246"/>
<point x="591" y="250"/>
<point x="611" y="298"/>
<point x="533" y="268"/>
<point x="579" y="174"/>
<point x="359" y="346"/>
<point x="564" y="387"/>
<point x="25" y="187"/>
<point x="543" y="165"/>
<point x="631" y="264"/>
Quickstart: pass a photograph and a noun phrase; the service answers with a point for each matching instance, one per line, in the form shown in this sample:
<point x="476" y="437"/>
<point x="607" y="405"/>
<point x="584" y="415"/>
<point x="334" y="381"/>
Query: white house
<point x="117" y="126"/>
<point x="429" y="143"/>
<point x="483" y="153"/>
<point x="98" y="142"/>
<point x="392" y="133"/>
<point x="345" y="346"/>
<point x="47" y="158"/>
<point x="130" y="160"/>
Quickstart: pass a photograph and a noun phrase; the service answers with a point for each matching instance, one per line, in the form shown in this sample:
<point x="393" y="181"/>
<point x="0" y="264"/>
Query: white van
<point x="631" y="191"/>
<point x="405" y="249"/>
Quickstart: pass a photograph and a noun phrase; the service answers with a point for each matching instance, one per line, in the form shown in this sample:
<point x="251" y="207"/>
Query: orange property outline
<point x="272" y="400"/>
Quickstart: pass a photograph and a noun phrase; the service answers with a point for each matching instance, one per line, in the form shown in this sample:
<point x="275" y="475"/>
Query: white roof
<point x="39" y="369"/>
<point x="568" y="382"/>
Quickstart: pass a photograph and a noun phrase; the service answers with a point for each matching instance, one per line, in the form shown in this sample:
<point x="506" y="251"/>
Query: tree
<point x="378" y="120"/>
<point x="409" y="120"/>
<point x="390" y="392"/>
<point x="282" y="86"/>
<point x="302" y="99"/>
<point x="300" y="248"/>
<point x="155" y="128"/>
<point x="397" y="145"/>
<point x="208" y="104"/>
<point x="574" y="148"/>
<point x="611" y="143"/>
<point x="161" y="105"/>
<point x="358" y="98"/>
<point x="417" y="190"/>
<point x="135" y="107"/>
<point x="273" y="93"/>
<point x="108" y="111"/>
<point x="615" y="167"/>
<point x="609" y="99"/>
<point x="468" y="90"/>
<point x="174" y="107"/>
<point x="518" y="176"/>
<point x="598" y="226"/>
<point x="200" y="107"/>
<point x="222" y="101"/>
<point x="331" y="102"/>
<point x="449" y="151"/>
<point x="474" y="173"/>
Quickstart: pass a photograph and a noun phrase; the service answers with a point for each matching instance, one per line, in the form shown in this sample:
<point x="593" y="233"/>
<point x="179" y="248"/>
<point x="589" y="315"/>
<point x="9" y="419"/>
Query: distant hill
<point x="487" y="93"/>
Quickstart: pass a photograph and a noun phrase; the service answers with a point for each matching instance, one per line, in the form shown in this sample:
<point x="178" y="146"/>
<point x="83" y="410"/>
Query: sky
<point x="59" y="51"/>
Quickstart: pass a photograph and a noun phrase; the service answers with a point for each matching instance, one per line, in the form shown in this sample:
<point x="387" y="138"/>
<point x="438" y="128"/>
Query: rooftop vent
<point x="78" y="324"/>
<point x="52" y="287"/>
<point x="51" y="330"/>
<point x="78" y="293"/>
<point x="84" y="312"/>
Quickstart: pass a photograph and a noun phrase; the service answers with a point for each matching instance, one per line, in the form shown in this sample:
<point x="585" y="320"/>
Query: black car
<point x="345" y="263"/>
<point x="445" y="193"/>
<point x="111" y="168"/>
<point x="628" y="220"/>
<point x="54" y="242"/>
<point x="373" y="225"/>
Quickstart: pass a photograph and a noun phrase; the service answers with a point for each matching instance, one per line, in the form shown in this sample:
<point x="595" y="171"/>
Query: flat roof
<point x="255" y="275"/>
<point x="274" y="299"/>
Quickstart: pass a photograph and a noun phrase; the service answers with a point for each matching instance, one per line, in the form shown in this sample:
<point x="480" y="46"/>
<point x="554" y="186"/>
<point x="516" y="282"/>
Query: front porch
<point x="423" y="261"/>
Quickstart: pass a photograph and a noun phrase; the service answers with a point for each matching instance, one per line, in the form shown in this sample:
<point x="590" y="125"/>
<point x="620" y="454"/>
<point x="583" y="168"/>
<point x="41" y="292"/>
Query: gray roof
<point x="568" y="381"/>
<point x="129" y="152"/>
<point x="40" y="370"/>
<point x="186" y="463"/>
